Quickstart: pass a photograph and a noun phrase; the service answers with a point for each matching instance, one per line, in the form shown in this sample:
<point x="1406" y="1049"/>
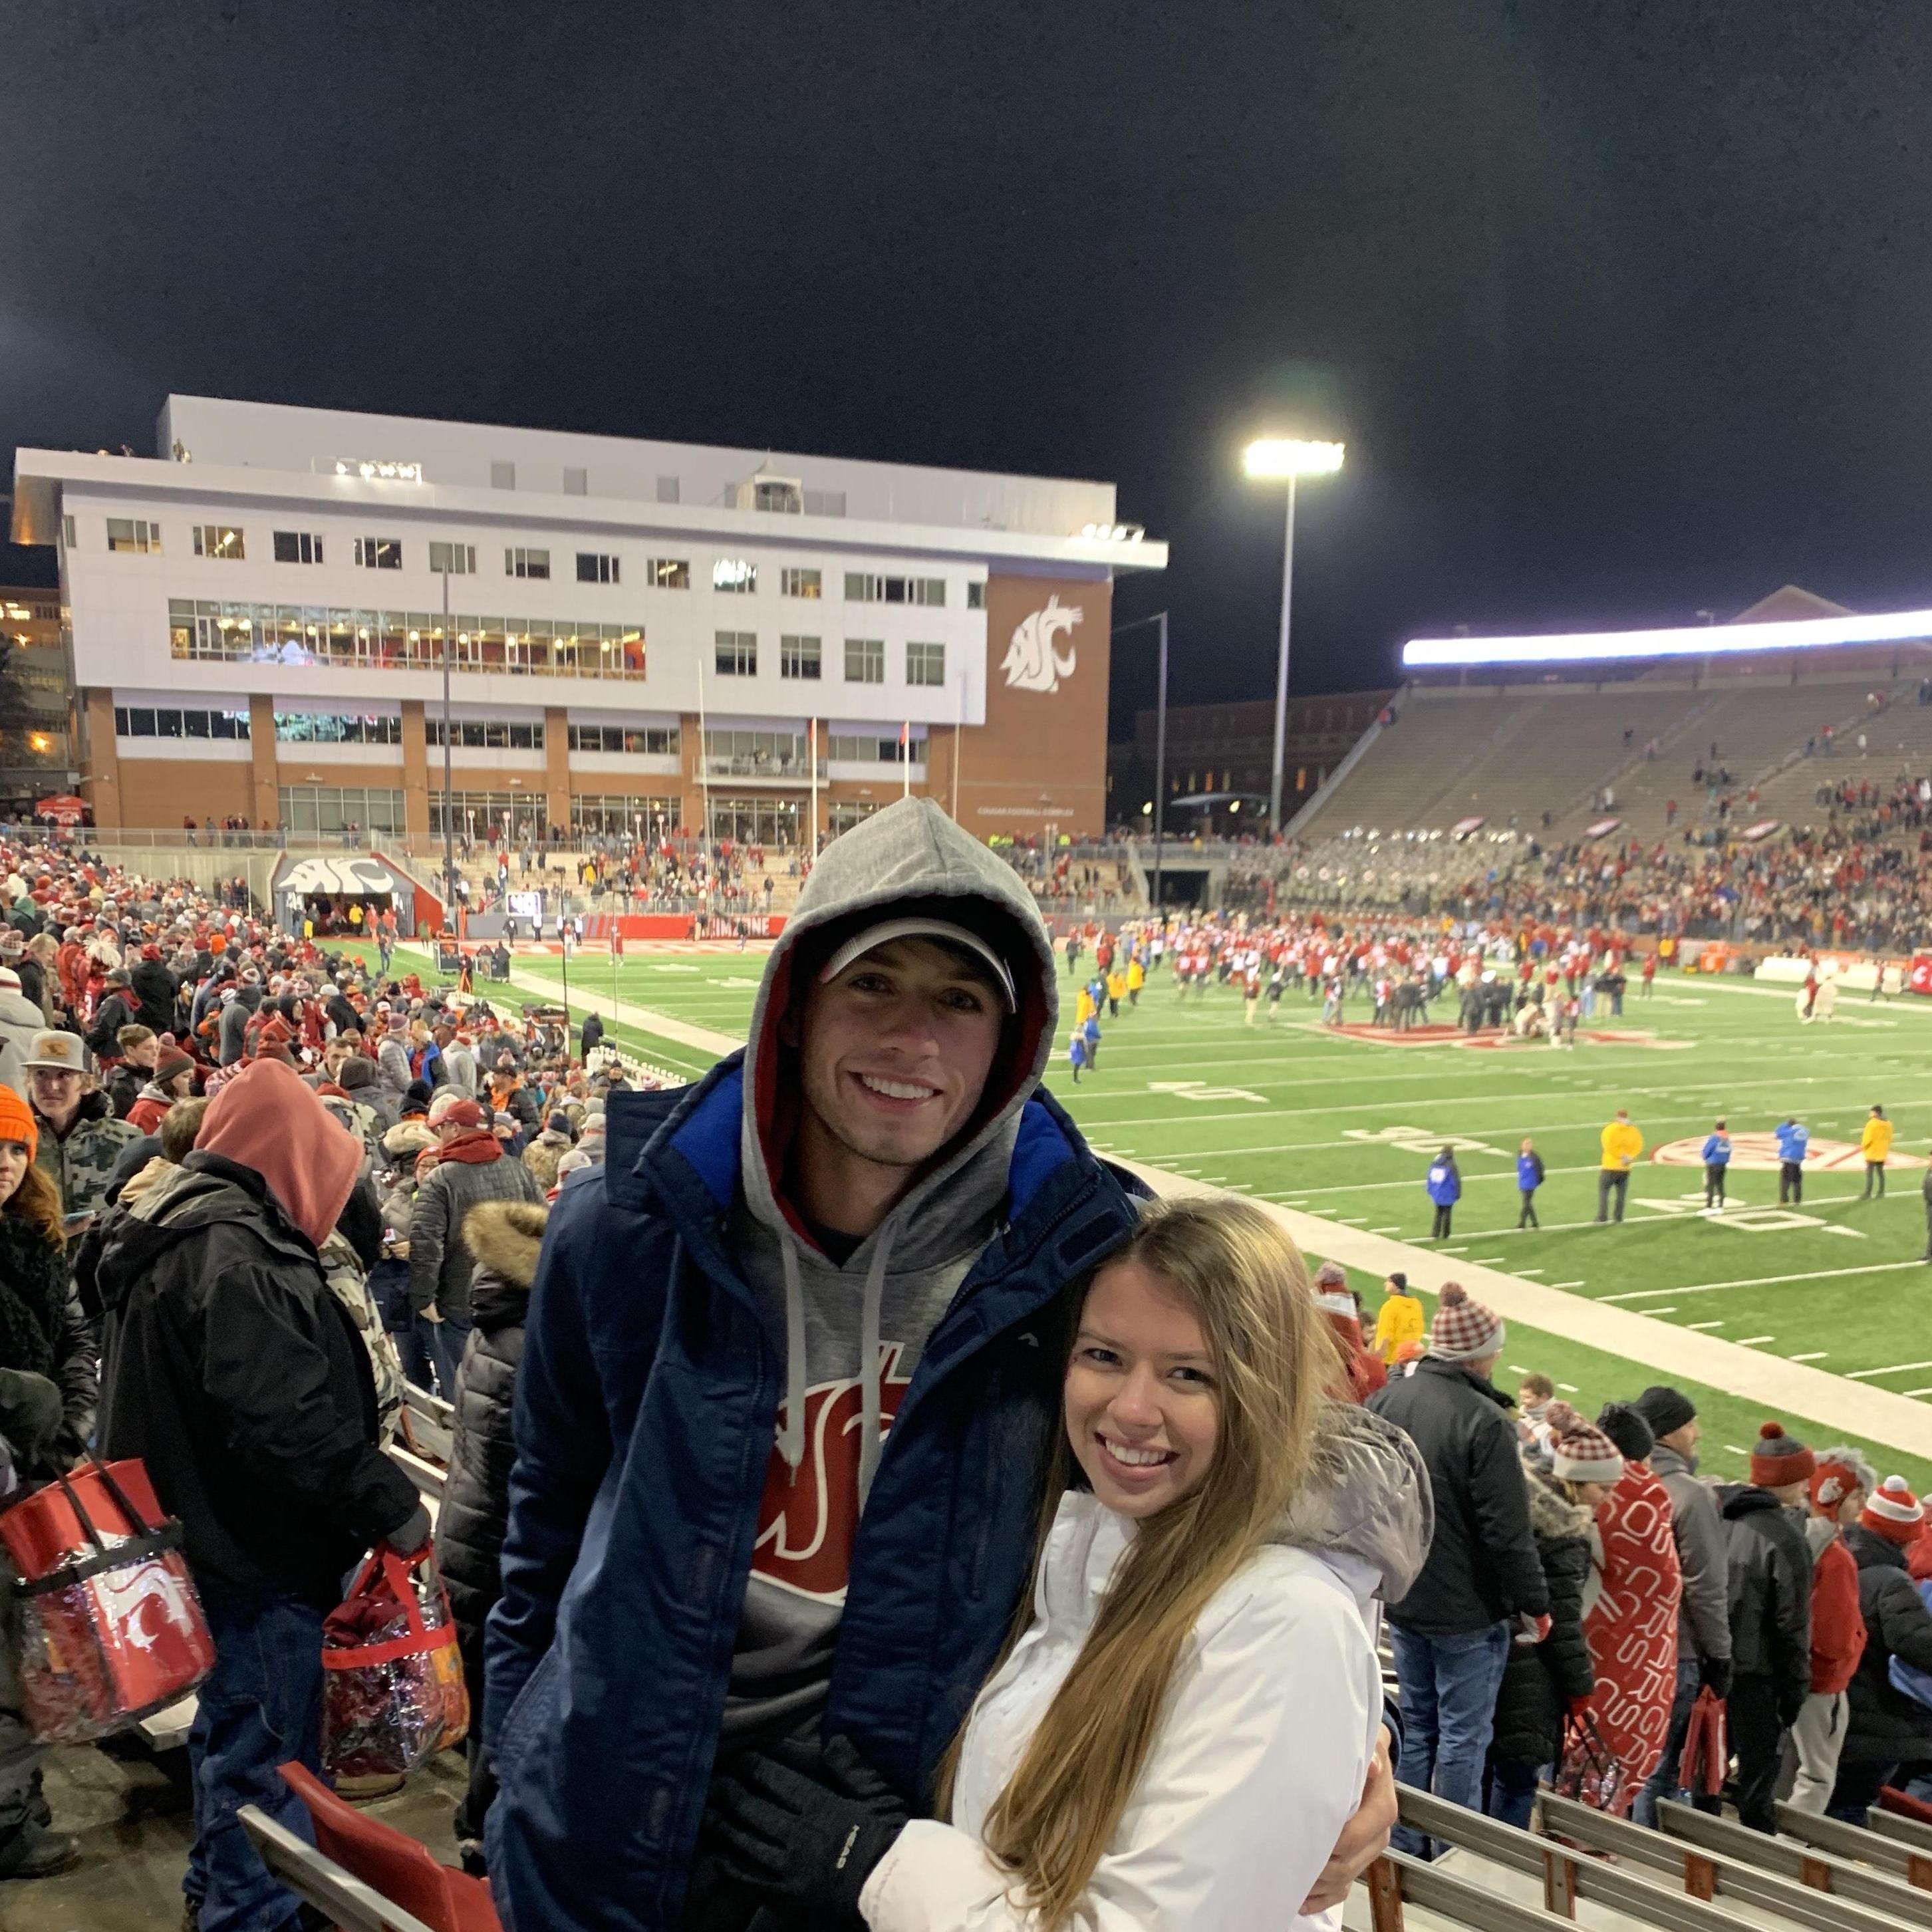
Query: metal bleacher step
<point x="1871" y="1845"/>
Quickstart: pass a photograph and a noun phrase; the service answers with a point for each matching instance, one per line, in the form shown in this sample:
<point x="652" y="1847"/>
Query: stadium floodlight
<point x="1279" y="459"/>
<point x="1692" y="640"/>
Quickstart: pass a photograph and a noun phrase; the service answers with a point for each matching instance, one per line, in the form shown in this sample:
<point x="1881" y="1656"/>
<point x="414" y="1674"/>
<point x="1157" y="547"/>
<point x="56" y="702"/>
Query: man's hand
<point x="1364" y="1838"/>
<point x="432" y="1314"/>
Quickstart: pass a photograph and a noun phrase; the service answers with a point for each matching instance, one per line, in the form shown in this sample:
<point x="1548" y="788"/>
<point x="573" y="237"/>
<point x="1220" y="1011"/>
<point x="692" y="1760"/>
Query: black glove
<point x="1714" y="1675"/>
<point x="30" y="1414"/>
<point x="807" y="1831"/>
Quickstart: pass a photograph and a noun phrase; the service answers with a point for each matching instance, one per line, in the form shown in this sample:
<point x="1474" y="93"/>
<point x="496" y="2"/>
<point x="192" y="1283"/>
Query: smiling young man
<point x="865" y="1223"/>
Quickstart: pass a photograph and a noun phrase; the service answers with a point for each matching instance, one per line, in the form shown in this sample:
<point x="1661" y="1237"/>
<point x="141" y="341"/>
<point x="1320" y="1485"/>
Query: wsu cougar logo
<point x="1031" y="662"/>
<point x="809" y="1517"/>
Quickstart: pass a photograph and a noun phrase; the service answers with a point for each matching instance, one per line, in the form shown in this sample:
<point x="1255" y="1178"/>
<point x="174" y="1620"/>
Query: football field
<point x="1342" y="1125"/>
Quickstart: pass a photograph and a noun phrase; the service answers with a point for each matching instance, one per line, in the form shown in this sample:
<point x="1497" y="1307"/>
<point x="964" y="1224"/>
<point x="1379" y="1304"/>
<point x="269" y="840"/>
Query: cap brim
<point x="886" y="930"/>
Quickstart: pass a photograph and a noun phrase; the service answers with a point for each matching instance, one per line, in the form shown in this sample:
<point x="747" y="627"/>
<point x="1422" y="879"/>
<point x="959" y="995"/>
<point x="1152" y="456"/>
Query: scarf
<point x="477" y="1148"/>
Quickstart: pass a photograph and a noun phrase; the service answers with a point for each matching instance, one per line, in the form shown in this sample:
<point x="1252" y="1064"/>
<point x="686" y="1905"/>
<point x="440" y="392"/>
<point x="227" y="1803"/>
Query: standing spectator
<point x="1529" y="1179"/>
<point x="80" y="1140"/>
<point x="1534" y="1395"/>
<point x="1771" y="1614"/>
<point x="1875" y="1143"/>
<point x="1451" y="1631"/>
<point x="1716" y="1161"/>
<point x="1889" y="1734"/>
<point x="1840" y="1485"/>
<point x="1703" y="1623"/>
<point x="1621" y="1143"/>
<point x="1792" y="1140"/>
<point x="1445" y="1189"/>
<point x="1398" y="1321"/>
<point x="1362" y="1373"/>
<point x="590" y="1037"/>
<point x="1076" y="1056"/>
<point x="1633" y="1605"/>
<point x="20" y="1020"/>
<point x="238" y="1377"/>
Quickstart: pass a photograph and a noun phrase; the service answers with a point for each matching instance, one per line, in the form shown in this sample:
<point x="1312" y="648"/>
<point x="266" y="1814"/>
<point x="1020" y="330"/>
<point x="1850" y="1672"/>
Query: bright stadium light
<point x="1694" y="640"/>
<point x="1274" y="457"/>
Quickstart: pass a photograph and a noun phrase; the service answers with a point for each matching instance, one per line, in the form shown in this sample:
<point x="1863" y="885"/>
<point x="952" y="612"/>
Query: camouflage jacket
<point x="81" y="1166"/>
<point x="350" y="1286"/>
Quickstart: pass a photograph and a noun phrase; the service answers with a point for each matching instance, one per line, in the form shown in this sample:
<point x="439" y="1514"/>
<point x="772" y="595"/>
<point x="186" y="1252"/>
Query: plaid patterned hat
<point x="1465" y="1331"/>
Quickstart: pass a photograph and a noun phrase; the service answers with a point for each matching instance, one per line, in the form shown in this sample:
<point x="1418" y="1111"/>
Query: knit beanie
<point x="1779" y="1458"/>
<point x="1666" y="1409"/>
<point x="1623" y="1423"/>
<point x="1831" y="1482"/>
<point x="1465" y="1331"/>
<point x="1893" y="1512"/>
<point x="16" y="1123"/>
<point x="1579" y="1452"/>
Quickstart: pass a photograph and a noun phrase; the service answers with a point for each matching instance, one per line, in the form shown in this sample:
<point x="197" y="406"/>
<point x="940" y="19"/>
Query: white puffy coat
<point x="1273" y="1719"/>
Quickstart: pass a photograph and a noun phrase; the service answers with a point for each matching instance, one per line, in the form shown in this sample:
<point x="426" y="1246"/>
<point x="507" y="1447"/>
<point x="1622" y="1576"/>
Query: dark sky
<point x="1622" y="309"/>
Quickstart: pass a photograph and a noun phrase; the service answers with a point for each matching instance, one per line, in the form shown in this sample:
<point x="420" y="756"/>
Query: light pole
<point x="1274" y="459"/>
<point x="1160" y="747"/>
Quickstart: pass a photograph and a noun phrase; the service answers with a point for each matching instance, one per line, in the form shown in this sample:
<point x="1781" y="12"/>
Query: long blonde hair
<point x="1246" y="1282"/>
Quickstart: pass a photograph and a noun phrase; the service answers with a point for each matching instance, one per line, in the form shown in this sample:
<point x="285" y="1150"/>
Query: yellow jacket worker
<point x="1875" y="1143"/>
<point x="1622" y="1144"/>
<point x="1400" y="1321"/>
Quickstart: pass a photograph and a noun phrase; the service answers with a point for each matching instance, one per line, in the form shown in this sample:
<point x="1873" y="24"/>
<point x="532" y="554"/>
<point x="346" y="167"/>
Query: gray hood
<point x="1368" y="1511"/>
<point x="910" y="857"/>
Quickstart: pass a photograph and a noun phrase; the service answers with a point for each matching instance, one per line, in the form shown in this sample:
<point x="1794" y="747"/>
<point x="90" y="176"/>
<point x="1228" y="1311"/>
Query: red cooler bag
<point x="110" y="1628"/>
<point x="393" y="1693"/>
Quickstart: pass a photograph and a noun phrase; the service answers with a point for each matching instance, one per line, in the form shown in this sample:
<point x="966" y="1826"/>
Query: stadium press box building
<point x="641" y="636"/>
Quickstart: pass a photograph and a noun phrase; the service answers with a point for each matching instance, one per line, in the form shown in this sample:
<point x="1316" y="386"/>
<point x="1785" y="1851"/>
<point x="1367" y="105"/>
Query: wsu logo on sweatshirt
<point x="809" y="1515"/>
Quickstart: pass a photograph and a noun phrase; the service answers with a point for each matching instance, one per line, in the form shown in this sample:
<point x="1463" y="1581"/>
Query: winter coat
<point x="440" y="1264"/>
<point x="1528" y="1172"/>
<point x="1541" y="1681"/>
<point x="43" y="1332"/>
<point x="342" y="1269"/>
<point x="655" y="1366"/>
<point x="1631" y="1606"/>
<point x="1886" y="1725"/>
<point x="1703" y="1557"/>
<point x="1398" y="1322"/>
<point x="1717" y="1151"/>
<point x="118" y="1009"/>
<point x="1792" y="1140"/>
<point x="1770" y="1593"/>
<point x="81" y="1166"/>
<point x="1444" y="1183"/>
<point x="154" y="988"/>
<point x="1483" y="1565"/>
<point x="20" y="1019"/>
<point x="1838" y="1623"/>
<point x="505" y="1236"/>
<point x="263" y="1446"/>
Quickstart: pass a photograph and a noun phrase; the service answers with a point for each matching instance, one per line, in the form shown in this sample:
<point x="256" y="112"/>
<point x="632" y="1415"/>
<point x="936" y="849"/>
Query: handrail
<point x="1705" y="1873"/>
<point x="1858" y="1843"/>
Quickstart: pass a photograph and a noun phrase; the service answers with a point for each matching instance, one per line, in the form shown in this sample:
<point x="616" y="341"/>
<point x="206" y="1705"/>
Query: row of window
<point x="657" y="741"/>
<point x="736" y="655"/>
<point x="142" y="720"/>
<point x="490" y="733"/>
<point x="735" y="576"/>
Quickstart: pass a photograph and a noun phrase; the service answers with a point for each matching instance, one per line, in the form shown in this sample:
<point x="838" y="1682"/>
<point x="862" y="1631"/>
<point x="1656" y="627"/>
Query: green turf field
<point x="1344" y="1128"/>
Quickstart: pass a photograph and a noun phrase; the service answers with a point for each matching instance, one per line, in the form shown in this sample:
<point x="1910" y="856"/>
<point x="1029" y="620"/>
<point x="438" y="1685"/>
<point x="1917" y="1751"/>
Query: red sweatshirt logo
<point x="810" y="1516"/>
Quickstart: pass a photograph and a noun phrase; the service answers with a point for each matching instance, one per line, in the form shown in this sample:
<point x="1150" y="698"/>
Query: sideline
<point x="1878" y="1415"/>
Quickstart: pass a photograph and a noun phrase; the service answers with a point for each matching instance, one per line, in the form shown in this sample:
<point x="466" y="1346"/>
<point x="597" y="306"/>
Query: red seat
<point x="1903" y="1805"/>
<point x="405" y="1872"/>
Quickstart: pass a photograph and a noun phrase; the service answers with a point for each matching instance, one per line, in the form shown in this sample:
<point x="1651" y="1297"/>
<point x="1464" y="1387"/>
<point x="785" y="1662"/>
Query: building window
<point x="522" y="815"/>
<point x="785" y="498"/>
<point x="328" y="810"/>
<point x="298" y="546"/>
<point x="798" y="657"/>
<point x="668" y="490"/>
<point x="593" y="567"/>
<point x="503" y="476"/>
<point x="667" y="573"/>
<point x="735" y="574"/>
<point x="144" y="538"/>
<point x="459" y="560"/>
<point x="864" y="749"/>
<point x="320" y="727"/>
<point x="68" y="540"/>
<point x="217" y="540"/>
<point x="576" y="482"/>
<point x="379" y="553"/>
<point x="613" y="815"/>
<point x="142" y="720"/>
<point x="862" y="587"/>
<point x="520" y="562"/>
<point x="737" y="654"/>
<point x="825" y="503"/>
<point x="794" y="582"/>
<point x="494" y="734"/>
<point x="976" y="597"/>
<point x="864" y="660"/>
<point x="926" y="663"/>
<point x="756" y="754"/>
<point x="655" y="741"/>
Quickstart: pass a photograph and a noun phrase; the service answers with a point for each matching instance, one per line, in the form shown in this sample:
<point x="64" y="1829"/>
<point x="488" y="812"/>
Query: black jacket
<point x="1540" y="1680"/>
<point x="1886" y="1725"/>
<point x="154" y="988"/>
<point x="1770" y="1565"/>
<point x="240" y="1380"/>
<point x="43" y="1332"/>
<point x="117" y="1010"/>
<point x="505" y="1236"/>
<point x="1483" y="1565"/>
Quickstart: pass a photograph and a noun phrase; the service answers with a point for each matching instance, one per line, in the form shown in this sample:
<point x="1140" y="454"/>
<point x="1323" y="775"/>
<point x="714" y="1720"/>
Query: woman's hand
<point x="1364" y="1838"/>
<point x="806" y="1830"/>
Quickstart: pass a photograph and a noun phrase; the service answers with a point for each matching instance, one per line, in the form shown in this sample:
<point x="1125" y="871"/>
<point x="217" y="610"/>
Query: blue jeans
<point x="446" y="1339"/>
<point x="1509" y="1791"/>
<point x="1663" y="1781"/>
<point x="261" y="1706"/>
<point x="1449" y="1685"/>
<point x="413" y="1346"/>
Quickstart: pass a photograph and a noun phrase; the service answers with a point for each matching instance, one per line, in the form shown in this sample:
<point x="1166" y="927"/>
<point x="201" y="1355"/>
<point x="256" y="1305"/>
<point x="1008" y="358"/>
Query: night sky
<point x="1623" y="309"/>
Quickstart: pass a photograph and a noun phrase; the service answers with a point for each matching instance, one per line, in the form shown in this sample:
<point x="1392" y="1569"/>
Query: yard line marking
<point x="1764" y="1281"/>
<point x="1703" y="1324"/>
<point x="1568" y="1388"/>
<point x="1671" y="1310"/>
<point x="1817" y="1355"/>
<point x="1532" y="1272"/>
<point x="1566" y="1284"/>
<point x="1395" y="1230"/>
<point x="1752" y="1341"/>
<point x="1731" y="1448"/>
<point x="1923" y="1391"/>
<point x="1517" y="1368"/>
<point x="1482" y="1261"/>
<point x="1897" y="1368"/>
<point x="1464" y="1251"/>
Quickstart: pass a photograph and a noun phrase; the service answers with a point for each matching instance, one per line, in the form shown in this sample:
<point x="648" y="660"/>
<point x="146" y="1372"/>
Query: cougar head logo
<point x="1032" y="662"/>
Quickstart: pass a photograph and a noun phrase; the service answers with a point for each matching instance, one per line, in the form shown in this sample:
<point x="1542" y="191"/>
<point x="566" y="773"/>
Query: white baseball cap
<point x="886" y="930"/>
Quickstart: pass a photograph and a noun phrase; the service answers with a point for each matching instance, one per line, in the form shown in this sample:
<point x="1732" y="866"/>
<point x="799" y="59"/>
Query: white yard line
<point x="1763" y="1281"/>
<point x="1703" y="1324"/>
<point x="1897" y="1368"/>
<point x="1816" y="1355"/>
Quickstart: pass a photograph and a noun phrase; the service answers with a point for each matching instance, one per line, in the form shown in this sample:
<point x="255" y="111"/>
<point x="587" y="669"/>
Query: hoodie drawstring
<point x="791" y="1437"/>
<point x="870" y="1369"/>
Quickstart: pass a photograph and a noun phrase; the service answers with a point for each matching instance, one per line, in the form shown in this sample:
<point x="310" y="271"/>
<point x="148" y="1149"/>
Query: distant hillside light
<point x="1280" y="457"/>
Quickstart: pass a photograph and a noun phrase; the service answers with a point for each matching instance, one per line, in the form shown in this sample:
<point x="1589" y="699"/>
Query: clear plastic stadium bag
<point x="393" y="1693"/>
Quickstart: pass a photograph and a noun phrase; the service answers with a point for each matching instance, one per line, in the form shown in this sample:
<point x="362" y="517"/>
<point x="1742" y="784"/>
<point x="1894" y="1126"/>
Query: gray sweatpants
<point x="1818" y="1736"/>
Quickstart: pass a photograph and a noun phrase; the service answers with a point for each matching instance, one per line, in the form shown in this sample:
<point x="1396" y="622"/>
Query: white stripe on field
<point x="1897" y="1368"/>
<point x="1763" y="1281"/>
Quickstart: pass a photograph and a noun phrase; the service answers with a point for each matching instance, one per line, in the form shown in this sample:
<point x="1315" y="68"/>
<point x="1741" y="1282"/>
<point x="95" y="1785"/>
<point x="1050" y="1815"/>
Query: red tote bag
<point x="1707" y="1754"/>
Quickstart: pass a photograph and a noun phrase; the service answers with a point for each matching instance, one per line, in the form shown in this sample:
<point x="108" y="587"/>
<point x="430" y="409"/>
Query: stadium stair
<point x="1876" y="1844"/>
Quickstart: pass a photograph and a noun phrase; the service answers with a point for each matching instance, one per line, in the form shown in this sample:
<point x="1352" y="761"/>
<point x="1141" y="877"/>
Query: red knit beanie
<point x="1779" y="1458"/>
<point x="1893" y="1512"/>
